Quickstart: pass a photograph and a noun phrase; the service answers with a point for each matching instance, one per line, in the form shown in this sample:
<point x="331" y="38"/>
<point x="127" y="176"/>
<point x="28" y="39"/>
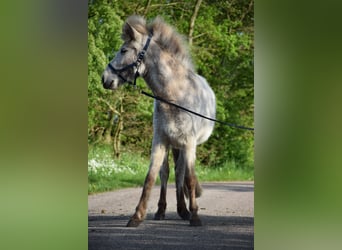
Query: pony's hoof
<point x="195" y="222"/>
<point x="159" y="216"/>
<point x="133" y="223"/>
<point x="184" y="214"/>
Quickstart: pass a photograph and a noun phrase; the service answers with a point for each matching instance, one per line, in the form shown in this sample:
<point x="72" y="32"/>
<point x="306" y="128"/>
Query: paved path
<point x="226" y="211"/>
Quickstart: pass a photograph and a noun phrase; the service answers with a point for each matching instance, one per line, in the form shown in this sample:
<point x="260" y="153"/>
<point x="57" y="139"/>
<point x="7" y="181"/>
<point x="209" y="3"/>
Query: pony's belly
<point x="178" y="137"/>
<point x="180" y="128"/>
<point x="204" y="135"/>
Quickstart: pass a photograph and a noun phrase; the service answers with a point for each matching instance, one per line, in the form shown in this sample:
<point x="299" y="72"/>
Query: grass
<point x="106" y="173"/>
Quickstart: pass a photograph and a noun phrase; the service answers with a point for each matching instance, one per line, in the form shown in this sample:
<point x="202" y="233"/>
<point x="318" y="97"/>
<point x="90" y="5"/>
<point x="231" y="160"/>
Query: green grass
<point x="106" y="173"/>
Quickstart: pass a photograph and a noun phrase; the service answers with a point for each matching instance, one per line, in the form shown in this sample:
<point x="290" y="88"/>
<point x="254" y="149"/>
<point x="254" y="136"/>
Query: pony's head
<point x="128" y="62"/>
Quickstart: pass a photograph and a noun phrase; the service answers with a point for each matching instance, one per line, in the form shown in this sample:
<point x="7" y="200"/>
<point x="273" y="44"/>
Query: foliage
<point x="222" y="50"/>
<point x="103" y="40"/>
<point x="106" y="173"/>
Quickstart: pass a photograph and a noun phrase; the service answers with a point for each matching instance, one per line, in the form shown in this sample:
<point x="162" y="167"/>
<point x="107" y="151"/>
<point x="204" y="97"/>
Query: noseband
<point x="136" y="64"/>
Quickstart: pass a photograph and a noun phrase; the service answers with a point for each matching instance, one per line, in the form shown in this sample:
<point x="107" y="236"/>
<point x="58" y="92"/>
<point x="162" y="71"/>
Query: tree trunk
<point x="99" y="134"/>
<point x="117" y="133"/>
<point x="108" y="132"/>
<point x="192" y="21"/>
<point x="147" y="7"/>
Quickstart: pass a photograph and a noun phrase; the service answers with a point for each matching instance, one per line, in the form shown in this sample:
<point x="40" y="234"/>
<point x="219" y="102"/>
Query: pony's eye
<point x="123" y="50"/>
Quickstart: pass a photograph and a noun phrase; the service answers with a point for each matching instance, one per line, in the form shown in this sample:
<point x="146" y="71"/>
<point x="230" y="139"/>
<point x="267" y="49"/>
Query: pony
<point x="159" y="54"/>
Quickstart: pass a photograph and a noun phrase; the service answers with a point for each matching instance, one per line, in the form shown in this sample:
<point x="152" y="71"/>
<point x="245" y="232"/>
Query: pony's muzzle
<point x="106" y="84"/>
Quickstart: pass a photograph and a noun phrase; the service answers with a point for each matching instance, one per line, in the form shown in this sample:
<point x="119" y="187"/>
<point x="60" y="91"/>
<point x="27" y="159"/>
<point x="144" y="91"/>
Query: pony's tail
<point x="198" y="190"/>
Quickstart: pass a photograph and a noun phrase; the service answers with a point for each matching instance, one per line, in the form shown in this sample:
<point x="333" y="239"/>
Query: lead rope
<point x="185" y="109"/>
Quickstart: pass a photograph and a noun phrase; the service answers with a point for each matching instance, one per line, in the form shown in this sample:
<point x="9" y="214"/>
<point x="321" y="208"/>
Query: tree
<point x="103" y="39"/>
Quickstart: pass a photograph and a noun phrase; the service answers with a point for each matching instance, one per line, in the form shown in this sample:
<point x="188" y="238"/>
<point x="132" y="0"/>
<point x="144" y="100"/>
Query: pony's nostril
<point x="102" y="78"/>
<point x="108" y="85"/>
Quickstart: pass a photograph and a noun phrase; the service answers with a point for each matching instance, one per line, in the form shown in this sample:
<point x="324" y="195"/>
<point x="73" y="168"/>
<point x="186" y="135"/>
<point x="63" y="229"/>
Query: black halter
<point x="132" y="65"/>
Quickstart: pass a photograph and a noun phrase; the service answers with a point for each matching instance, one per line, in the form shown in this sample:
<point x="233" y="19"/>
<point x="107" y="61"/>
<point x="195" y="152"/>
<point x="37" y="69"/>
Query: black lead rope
<point x="192" y="112"/>
<point x="182" y="108"/>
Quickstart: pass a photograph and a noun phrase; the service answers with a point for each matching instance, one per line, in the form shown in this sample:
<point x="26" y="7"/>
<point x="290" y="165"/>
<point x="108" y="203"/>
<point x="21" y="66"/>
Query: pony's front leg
<point x="157" y="158"/>
<point x="164" y="176"/>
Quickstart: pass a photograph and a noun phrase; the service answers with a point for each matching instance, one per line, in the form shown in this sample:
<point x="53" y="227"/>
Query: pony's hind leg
<point x="180" y="169"/>
<point x="157" y="158"/>
<point x="164" y="176"/>
<point x="192" y="185"/>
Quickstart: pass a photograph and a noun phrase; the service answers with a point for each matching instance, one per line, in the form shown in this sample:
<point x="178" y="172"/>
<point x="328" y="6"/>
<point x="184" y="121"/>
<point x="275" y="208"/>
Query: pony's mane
<point x="167" y="38"/>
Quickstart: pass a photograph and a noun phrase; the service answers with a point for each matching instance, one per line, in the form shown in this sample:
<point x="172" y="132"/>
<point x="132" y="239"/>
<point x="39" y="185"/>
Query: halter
<point x="136" y="64"/>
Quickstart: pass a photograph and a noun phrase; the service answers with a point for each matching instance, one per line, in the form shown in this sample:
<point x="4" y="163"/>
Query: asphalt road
<point x="226" y="211"/>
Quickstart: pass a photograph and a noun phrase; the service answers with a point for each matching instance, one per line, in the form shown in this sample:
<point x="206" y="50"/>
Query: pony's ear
<point x="129" y="33"/>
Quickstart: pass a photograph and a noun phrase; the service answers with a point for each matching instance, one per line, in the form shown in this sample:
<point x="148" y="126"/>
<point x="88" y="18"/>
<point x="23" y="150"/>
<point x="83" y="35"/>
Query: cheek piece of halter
<point x="136" y="64"/>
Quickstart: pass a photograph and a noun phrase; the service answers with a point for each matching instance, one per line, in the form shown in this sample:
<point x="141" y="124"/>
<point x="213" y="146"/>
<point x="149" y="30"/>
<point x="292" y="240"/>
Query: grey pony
<point x="168" y="71"/>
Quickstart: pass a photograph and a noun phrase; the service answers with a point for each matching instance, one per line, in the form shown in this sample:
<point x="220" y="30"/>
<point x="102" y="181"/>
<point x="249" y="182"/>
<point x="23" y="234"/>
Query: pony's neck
<point x="164" y="75"/>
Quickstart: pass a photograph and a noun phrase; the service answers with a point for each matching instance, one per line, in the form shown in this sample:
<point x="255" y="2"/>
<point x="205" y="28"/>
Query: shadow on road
<point x="233" y="187"/>
<point x="217" y="232"/>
